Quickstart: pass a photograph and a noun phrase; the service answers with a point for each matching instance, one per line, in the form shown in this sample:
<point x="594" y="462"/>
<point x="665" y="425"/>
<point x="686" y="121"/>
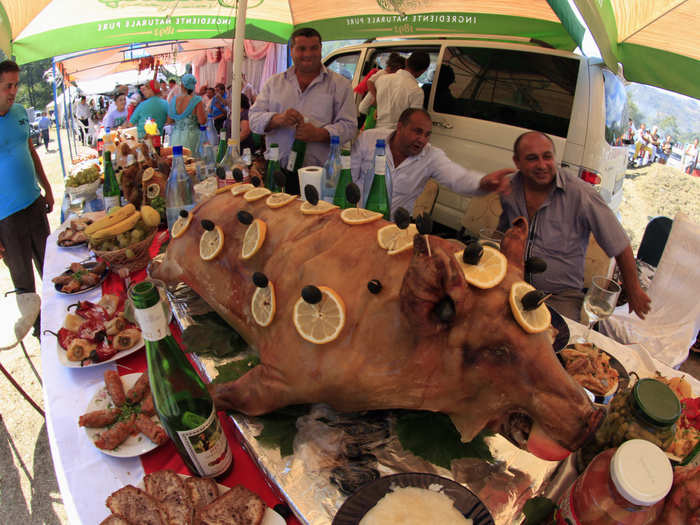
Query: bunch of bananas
<point x="122" y="227"/>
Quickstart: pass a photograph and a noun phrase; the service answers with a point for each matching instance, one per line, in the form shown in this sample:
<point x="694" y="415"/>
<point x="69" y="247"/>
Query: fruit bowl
<point x="134" y="257"/>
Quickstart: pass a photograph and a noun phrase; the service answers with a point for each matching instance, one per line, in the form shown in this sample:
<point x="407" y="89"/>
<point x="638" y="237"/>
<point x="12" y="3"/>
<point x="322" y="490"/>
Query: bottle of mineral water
<point x="179" y="194"/>
<point x="183" y="404"/>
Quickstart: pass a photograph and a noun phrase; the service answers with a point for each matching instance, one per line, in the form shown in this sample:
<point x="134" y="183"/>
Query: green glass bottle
<point x="110" y="189"/>
<point x="273" y="165"/>
<point x="378" y="198"/>
<point x="222" y="146"/>
<point x="296" y="157"/>
<point x="371" y="119"/>
<point x="182" y="402"/>
<point x="345" y="178"/>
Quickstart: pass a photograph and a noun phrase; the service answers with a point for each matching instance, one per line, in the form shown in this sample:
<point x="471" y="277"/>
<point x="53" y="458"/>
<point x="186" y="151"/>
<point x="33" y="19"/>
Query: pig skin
<point x="479" y="367"/>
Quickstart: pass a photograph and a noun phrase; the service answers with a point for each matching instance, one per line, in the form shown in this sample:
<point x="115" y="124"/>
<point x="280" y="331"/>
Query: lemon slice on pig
<point x="322" y="322"/>
<point x="532" y="321"/>
<point x="488" y="272"/>
<point x="263" y="305"/>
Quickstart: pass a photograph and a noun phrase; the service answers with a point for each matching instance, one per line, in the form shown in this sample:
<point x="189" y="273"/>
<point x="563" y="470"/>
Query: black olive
<point x="533" y="299"/>
<point x="374" y="286"/>
<point x="402" y="218"/>
<point x="221" y="172"/>
<point x="424" y="223"/>
<point x="260" y="280"/>
<point x="445" y="309"/>
<point x="283" y="510"/>
<point x="94" y="357"/>
<point x="352" y="193"/>
<point x="207" y="225"/>
<point x="255" y="181"/>
<point x="311" y="194"/>
<point x="472" y="253"/>
<point x="535" y="265"/>
<point x="184" y="214"/>
<point x="99" y="336"/>
<point x="237" y="175"/>
<point x="244" y="217"/>
<point x="311" y="294"/>
<point x="280" y="179"/>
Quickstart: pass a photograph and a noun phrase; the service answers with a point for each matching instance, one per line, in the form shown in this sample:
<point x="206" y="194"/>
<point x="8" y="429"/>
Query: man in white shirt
<point x="82" y="113"/>
<point x="411" y="161"/>
<point x="400" y="90"/>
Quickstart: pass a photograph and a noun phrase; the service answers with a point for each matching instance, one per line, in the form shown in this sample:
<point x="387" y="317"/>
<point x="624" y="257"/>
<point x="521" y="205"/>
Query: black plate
<point x="622" y="382"/>
<point x="87" y="265"/>
<point x="563" y="334"/>
<point x="357" y="505"/>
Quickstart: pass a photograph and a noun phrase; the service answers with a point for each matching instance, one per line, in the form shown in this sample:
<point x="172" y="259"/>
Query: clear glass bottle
<point x="183" y="404"/>
<point x="378" y="197"/>
<point x="331" y="170"/>
<point x="179" y="194"/>
<point x="623" y="486"/>
<point x="344" y="180"/>
<point x="231" y="160"/>
<point x="111" y="190"/>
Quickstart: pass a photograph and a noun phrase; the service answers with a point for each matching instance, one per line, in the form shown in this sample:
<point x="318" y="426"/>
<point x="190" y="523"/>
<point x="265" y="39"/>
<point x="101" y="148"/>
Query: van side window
<point x="616" y="109"/>
<point x="344" y="64"/>
<point x="528" y="90"/>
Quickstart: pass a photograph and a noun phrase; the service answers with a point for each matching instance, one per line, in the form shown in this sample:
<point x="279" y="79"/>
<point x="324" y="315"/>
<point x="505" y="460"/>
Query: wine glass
<point x="600" y="301"/>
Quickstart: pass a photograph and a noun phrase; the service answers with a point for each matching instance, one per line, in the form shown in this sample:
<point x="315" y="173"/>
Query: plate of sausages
<point x="121" y="420"/>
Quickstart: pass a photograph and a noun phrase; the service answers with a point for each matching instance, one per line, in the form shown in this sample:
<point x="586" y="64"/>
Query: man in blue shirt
<point x="24" y="226"/>
<point x="153" y="107"/>
<point x="217" y="108"/>
<point x="44" y="125"/>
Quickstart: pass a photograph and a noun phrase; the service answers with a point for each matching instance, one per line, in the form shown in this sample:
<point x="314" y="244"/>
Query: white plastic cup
<point x="310" y="175"/>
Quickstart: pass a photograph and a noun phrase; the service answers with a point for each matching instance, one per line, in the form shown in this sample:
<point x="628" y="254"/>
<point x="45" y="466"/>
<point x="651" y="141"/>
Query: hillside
<point x="655" y="104"/>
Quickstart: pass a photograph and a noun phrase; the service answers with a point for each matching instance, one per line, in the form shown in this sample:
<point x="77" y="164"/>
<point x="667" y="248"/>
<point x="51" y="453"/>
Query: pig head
<point x="427" y="341"/>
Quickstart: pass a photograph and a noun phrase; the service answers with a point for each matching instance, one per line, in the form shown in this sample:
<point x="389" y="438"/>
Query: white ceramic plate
<point x="63" y="359"/>
<point x="134" y="445"/>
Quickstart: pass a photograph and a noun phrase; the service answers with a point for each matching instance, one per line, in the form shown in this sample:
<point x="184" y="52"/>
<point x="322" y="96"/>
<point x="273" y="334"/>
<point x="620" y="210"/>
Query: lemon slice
<point x="237" y="189"/>
<point x="396" y="240"/>
<point x="224" y="189"/>
<point x="532" y="321"/>
<point x="489" y="272"/>
<point x="263" y="306"/>
<point x="359" y="216"/>
<point x="277" y="200"/>
<point x="322" y="322"/>
<point x="253" y="239"/>
<point x="321" y="207"/>
<point x="180" y="226"/>
<point x="211" y="243"/>
<point x="147" y="174"/>
<point x="256" y="194"/>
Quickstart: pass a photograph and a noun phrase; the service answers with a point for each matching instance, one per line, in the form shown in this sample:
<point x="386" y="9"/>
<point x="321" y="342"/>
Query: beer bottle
<point x="378" y="198"/>
<point x="183" y="404"/>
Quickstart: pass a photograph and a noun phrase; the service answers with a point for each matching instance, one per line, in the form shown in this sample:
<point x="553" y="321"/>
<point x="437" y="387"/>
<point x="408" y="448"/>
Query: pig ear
<point x="513" y="244"/>
<point x="433" y="288"/>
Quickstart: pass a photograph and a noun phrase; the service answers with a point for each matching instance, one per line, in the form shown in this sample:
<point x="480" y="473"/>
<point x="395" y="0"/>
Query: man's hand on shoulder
<point x="310" y="133"/>
<point x="497" y="181"/>
<point x="638" y="301"/>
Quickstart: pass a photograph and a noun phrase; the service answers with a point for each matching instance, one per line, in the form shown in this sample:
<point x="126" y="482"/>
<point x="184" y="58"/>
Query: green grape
<point x="136" y="235"/>
<point x="129" y="253"/>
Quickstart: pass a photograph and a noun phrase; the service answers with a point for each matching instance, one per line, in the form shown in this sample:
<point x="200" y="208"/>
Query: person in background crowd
<point x="691" y="157"/>
<point x="628" y="137"/>
<point x="153" y="107"/>
<point x="307" y="102"/>
<point x="117" y="116"/>
<point x="399" y="91"/>
<point x="82" y="113"/>
<point x="654" y="144"/>
<point x="207" y="95"/>
<point x="164" y="89"/>
<point x="217" y="109"/>
<point x="133" y="101"/>
<point x="640" y="143"/>
<point x="186" y="111"/>
<point x="248" y="89"/>
<point x="412" y="160"/>
<point x="563" y="211"/>
<point x="393" y="64"/>
<point x="666" y="150"/>
<point x="174" y="89"/>
<point x="246" y="133"/>
<point x="44" y="125"/>
<point x="24" y="226"/>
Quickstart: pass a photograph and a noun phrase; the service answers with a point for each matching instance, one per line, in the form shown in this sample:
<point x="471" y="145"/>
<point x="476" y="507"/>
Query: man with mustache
<point x="411" y="161"/>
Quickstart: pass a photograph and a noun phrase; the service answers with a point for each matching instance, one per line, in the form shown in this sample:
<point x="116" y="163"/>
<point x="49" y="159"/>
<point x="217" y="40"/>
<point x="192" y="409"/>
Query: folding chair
<point x="21" y="311"/>
<point x="654" y="240"/>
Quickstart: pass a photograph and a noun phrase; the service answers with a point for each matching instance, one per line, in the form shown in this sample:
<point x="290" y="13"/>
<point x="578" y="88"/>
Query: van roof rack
<point x="464" y="36"/>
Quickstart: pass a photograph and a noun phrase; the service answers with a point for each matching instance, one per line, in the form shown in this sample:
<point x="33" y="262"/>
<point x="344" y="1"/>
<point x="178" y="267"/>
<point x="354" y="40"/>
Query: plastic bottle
<point x="273" y="165"/>
<point x="623" y="486"/>
<point x="179" y="193"/>
<point x="378" y="197"/>
<point x="183" y="404"/>
<point x="211" y="131"/>
<point x="203" y="141"/>
<point x="344" y="180"/>
<point x="110" y="189"/>
<point x="331" y="170"/>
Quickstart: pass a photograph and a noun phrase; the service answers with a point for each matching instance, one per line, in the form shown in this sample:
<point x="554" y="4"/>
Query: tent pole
<point x="58" y="124"/>
<point x="237" y="53"/>
<point x="65" y="115"/>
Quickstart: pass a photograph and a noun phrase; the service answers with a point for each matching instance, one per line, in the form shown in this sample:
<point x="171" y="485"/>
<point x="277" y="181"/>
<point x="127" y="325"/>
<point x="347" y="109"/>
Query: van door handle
<point x="442" y="124"/>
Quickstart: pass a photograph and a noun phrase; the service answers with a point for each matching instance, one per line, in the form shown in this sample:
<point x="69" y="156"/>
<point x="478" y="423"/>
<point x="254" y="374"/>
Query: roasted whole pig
<point x="479" y="366"/>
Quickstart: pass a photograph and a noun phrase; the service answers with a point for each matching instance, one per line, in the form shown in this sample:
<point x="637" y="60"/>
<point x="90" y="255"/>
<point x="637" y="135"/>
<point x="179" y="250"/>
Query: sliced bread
<point x="169" y="489"/>
<point x="238" y="506"/>
<point x="137" y="507"/>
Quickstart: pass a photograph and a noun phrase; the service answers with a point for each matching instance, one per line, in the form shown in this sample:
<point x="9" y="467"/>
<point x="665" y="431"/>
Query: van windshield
<point x="528" y="90"/>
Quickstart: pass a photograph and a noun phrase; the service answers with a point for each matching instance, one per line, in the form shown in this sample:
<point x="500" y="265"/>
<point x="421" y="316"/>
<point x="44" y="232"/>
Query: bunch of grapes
<point x="85" y="176"/>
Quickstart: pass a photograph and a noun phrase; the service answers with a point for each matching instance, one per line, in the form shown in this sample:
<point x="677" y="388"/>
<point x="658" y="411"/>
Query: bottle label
<point x="380" y="165"/>
<point x="207" y="446"/>
<point x="345" y="161"/>
<point x="292" y="160"/>
<point x="565" y="514"/>
<point x="111" y="202"/>
<point x="153" y="322"/>
<point x="274" y="154"/>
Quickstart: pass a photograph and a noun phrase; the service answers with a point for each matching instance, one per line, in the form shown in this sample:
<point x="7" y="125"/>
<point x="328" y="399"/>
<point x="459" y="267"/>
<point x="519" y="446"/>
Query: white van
<point x="482" y="94"/>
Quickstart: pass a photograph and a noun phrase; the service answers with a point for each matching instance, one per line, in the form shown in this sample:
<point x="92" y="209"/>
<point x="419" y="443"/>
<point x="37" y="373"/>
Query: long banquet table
<point x="86" y="476"/>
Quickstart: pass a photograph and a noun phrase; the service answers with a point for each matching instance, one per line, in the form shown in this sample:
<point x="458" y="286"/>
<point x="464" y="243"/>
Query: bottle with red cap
<point x="622" y="486"/>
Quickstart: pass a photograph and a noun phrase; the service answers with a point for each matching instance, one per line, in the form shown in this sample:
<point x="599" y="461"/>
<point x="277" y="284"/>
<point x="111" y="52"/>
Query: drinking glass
<point x="600" y="301"/>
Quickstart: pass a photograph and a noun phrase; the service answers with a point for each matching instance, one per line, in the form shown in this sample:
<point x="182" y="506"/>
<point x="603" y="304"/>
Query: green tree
<point x="634" y="113"/>
<point x="669" y="126"/>
<point x="34" y="91"/>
